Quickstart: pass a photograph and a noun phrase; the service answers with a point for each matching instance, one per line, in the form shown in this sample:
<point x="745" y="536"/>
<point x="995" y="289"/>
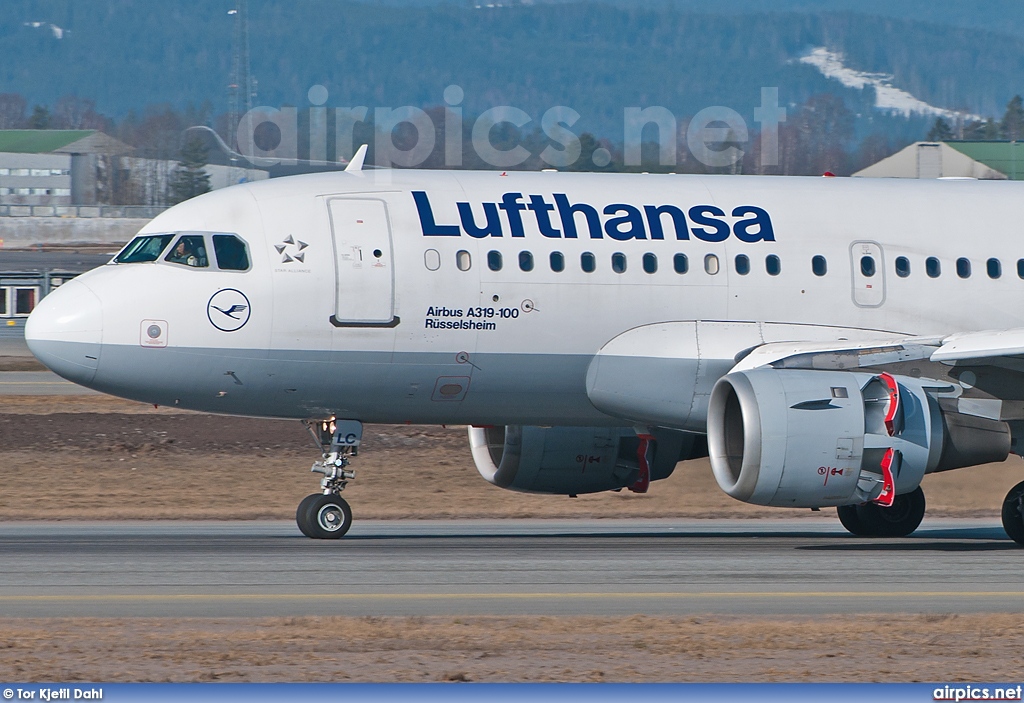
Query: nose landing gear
<point x="327" y="515"/>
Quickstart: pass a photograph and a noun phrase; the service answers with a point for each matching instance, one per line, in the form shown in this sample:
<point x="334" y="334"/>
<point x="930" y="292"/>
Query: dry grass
<point x="20" y="363"/>
<point x="903" y="648"/>
<point x="114" y="459"/>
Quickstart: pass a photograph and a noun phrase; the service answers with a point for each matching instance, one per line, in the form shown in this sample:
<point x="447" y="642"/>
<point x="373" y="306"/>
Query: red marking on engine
<point x="644" y="454"/>
<point x="894" y="403"/>
<point x="888" y="494"/>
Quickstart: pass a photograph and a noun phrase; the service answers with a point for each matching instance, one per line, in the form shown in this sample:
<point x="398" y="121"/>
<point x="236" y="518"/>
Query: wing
<point x="988" y="366"/>
<point x="664" y="374"/>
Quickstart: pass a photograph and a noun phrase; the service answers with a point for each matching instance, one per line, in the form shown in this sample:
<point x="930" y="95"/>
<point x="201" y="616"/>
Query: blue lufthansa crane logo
<point x="228" y="310"/>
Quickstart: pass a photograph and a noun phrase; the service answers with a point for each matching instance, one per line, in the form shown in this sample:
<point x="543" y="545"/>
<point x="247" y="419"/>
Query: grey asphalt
<point x="12" y="338"/>
<point x="38" y="383"/>
<point x="605" y="567"/>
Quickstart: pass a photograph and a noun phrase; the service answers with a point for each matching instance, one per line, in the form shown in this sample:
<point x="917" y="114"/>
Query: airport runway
<point x="607" y="567"/>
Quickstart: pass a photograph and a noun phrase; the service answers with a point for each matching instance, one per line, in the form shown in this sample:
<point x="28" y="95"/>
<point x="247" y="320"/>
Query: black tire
<point x="301" y="512"/>
<point x="900" y="520"/>
<point x="850" y="518"/>
<point x="1013" y="513"/>
<point x="328" y="517"/>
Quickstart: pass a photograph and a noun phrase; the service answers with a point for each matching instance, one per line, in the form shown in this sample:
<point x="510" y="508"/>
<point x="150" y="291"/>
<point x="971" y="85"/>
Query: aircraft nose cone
<point x="65" y="332"/>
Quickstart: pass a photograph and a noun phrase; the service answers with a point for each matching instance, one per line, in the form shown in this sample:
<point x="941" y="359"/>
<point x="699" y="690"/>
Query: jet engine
<point x="803" y="438"/>
<point x="574" y="460"/>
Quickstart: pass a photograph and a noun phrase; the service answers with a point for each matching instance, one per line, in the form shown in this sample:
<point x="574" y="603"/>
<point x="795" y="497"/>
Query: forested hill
<point x="596" y="58"/>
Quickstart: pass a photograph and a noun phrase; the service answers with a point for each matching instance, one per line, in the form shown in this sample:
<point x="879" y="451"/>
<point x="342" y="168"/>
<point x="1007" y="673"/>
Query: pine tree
<point x="190" y="178"/>
<point x="1013" y="121"/>
<point x="940" y="131"/>
<point x="40" y="118"/>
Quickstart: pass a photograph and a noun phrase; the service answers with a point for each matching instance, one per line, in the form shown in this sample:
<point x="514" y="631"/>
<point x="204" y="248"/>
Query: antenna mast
<point x="242" y="88"/>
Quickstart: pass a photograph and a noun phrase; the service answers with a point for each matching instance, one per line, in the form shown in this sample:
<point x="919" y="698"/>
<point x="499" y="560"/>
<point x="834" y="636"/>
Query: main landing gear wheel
<point x="850" y="519"/>
<point x="324" y="516"/>
<point x="1013" y="513"/>
<point x="872" y="520"/>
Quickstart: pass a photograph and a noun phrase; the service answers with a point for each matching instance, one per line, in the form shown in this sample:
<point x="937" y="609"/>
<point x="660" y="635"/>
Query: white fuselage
<point x="362" y="304"/>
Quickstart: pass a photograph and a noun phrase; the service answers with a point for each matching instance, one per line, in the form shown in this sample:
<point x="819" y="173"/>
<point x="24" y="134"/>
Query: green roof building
<point x="1006" y="158"/>
<point x="55" y="167"/>
<point x="981" y="160"/>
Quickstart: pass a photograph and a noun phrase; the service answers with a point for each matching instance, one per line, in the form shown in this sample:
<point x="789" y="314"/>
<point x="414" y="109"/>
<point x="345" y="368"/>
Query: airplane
<point x="828" y="342"/>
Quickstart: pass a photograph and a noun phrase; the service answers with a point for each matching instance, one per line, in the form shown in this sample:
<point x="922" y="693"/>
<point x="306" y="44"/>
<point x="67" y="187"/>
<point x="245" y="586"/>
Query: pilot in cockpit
<point x="185" y="253"/>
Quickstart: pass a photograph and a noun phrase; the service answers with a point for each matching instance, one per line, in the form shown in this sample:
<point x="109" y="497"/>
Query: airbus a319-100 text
<point x="827" y="341"/>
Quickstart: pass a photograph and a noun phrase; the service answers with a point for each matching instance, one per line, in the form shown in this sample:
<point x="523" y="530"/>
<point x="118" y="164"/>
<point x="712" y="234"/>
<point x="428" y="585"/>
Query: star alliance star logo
<point x="292" y="249"/>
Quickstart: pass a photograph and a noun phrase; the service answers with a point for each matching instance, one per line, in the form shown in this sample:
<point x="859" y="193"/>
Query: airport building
<point x="52" y="167"/>
<point x="982" y="160"/>
<point x="63" y="168"/>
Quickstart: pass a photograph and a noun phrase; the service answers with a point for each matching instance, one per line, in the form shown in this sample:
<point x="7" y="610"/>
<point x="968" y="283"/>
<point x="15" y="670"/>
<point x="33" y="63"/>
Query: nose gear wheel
<point x="326" y="515"/>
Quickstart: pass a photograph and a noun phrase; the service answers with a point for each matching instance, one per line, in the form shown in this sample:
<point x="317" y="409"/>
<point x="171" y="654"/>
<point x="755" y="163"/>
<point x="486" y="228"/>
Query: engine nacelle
<point x="573" y="460"/>
<point x="799" y="438"/>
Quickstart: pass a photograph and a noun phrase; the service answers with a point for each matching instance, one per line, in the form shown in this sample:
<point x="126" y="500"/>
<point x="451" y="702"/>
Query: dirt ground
<point x="903" y="648"/>
<point x="113" y="459"/>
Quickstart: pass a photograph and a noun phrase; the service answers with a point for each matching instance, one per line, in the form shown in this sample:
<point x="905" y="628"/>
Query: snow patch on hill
<point x="58" y="32"/>
<point x="887" y="97"/>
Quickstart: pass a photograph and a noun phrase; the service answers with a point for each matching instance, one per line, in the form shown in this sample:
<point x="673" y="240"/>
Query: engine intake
<point x="801" y="438"/>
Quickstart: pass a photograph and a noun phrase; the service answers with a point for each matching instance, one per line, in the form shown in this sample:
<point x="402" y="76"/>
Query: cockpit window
<point x="189" y="250"/>
<point x="231" y="252"/>
<point x="144" y="248"/>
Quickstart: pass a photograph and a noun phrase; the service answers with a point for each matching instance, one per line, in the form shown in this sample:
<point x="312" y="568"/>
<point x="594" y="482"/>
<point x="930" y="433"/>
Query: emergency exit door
<point x="364" y="270"/>
<point x="868" y="274"/>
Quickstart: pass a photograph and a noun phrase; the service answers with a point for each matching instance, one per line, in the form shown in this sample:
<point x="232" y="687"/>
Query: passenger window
<point x="619" y="262"/>
<point x="773" y="265"/>
<point x="711" y="264"/>
<point x="557" y="261"/>
<point x="902" y="266"/>
<point x="682" y="264"/>
<point x="932" y="267"/>
<point x="494" y="260"/>
<point x="867" y="266"/>
<point x="231" y="253"/>
<point x="650" y="263"/>
<point x="525" y="261"/>
<point x="463" y="260"/>
<point x="963" y="267"/>
<point x="819" y="266"/>
<point x="588" y="262"/>
<point x="1020" y="268"/>
<point x="432" y="259"/>
<point x="189" y="250"/>
<point x="995" y="269"/>
<point x="742" y="264"/>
